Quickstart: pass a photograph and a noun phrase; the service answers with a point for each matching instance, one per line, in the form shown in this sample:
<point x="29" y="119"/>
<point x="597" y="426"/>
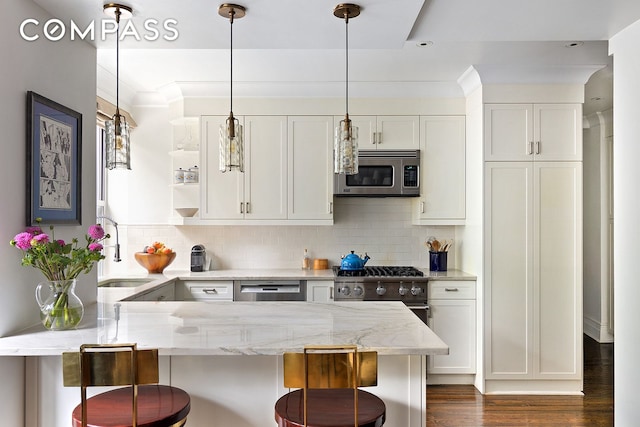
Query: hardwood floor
<point x="457" y="406"/>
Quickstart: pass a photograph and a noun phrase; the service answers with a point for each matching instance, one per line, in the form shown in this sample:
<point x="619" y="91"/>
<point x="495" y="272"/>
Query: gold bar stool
<point x="328" y="380"/>
<point x="137" y="402"/>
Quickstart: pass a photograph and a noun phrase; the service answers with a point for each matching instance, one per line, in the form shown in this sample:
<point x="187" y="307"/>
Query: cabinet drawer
<point x="452" y="289"/>
<point x="222" y="290"/>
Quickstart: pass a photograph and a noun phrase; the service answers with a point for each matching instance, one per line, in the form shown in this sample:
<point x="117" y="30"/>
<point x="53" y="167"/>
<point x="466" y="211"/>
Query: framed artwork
<point x="54" y="142"/>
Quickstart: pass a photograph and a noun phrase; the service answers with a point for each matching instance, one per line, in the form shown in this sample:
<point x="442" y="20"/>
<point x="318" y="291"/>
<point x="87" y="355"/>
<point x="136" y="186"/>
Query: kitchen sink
<point x="124" y="283"/>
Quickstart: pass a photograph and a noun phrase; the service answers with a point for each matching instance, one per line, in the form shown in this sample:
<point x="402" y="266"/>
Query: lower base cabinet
<point x="320" y="290"/>
<point x="453" y="318"/>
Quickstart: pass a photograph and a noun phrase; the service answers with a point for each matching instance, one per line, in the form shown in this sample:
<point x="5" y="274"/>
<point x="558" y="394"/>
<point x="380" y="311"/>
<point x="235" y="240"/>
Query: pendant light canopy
<point x="117" y="129"/>
<point x="345" y="150"/>
<point x="231" y="133"/>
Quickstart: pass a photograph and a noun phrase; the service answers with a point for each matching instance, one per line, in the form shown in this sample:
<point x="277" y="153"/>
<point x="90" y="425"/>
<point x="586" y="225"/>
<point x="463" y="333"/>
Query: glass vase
<point x="60" y="307"/>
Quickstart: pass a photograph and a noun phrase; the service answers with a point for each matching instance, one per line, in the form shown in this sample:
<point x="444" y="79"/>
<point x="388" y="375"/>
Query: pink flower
<point x="96" y="232"/>
<point x="95" y="247"/>
<point x="23" y="240"/>
<point x="39" y="239"/>
<point x="60" y="242"/>
<point x="34" y="230"/>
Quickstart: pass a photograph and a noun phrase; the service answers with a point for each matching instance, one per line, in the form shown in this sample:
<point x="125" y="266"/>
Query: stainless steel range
<point x="384" y="283"/>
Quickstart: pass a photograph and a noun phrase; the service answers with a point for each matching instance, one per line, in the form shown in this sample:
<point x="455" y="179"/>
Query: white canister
<point x="191" y="175"/>
<point x="178" y="176"/>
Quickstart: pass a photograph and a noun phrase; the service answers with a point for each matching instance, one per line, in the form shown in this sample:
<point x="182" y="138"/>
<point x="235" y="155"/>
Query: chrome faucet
<point x="116" y="255"/>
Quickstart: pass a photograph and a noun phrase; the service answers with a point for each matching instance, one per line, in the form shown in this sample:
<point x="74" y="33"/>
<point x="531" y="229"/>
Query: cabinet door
<point x="508" y="132"/>
<point x="442" y="172"/>
<point x="265" y="177"/>
<point x="367" y="130"/>
<point x="557" y="132"/>
<point x="320" y="290"/>
<point x="557" y="259"/>
<point x="310" y="154"/>
<point x="398" y="132"/>
<point x="509" y="270"/>
<point x="221" y="193"/>
<point x="454" y="321"/>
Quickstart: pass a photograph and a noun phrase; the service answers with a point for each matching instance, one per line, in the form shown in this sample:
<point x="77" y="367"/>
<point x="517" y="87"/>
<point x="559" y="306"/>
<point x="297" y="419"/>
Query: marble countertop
<point x="237" y="328"/>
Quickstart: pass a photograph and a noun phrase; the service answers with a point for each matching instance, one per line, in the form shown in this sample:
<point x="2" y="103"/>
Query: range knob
<point x="381" y="290"/>
<point x="358" y="291"/>
<point x="402" y="290"/>
<point x="416" y="290"/>
<point x="345" y="290"/>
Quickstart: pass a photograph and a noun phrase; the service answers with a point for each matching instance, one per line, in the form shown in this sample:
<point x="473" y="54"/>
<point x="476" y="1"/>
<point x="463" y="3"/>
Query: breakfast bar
<point x="228" y="355"/>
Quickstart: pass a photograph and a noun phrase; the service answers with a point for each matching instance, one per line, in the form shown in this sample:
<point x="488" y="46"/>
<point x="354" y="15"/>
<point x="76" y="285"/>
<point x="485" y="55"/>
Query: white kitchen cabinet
<point x="542" y="132"/>
<point x="386" y="132"/>
<point x="452" y="316"/>
<point x="310" y="165"/>
<point x="320" y="290"/>
<point x="442" y="172"/>
<point x="533" y="276"/>
<point x="260" y="193"/>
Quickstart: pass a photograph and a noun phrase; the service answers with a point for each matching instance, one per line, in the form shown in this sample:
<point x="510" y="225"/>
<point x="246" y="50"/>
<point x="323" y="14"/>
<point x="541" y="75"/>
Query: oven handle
<point x="424" y="307"/>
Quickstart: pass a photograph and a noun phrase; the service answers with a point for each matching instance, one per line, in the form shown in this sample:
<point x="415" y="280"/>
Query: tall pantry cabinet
<point x="533" y="247"/>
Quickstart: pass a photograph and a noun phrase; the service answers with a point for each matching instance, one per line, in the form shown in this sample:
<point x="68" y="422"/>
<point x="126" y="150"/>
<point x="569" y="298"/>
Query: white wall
<point x="380" y="227"/>
<point x="64" y="72"/>
<point x="626" y="92"/>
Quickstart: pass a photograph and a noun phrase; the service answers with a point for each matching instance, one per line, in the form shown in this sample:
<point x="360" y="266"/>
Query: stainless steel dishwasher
<point x="270" y="290"/>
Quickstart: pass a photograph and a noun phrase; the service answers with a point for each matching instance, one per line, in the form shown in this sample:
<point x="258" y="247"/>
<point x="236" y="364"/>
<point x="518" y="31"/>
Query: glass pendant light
<point x="345" y="149"/>
<point x="117" y="129"/>
<point x="231" y="133"/>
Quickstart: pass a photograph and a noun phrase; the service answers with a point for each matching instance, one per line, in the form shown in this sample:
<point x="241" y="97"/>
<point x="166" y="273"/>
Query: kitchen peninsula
<point x="228" y="355"/>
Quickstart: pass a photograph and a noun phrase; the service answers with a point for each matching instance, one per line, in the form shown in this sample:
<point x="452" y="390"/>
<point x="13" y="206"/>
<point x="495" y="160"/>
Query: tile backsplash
<point x="380" y="227"/>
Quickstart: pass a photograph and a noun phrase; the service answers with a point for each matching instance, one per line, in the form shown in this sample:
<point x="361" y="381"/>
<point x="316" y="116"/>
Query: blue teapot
<point x="353" y="262"/>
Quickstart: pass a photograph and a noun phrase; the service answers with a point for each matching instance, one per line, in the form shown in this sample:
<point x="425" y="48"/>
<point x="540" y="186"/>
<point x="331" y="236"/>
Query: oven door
<point x="420" y="310"/>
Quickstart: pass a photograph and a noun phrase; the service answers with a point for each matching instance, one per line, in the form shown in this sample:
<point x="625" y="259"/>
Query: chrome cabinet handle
<point x="421" y="207"/>
<point x="248" y="211"/>
<point x="330" y="207"/>
<point x="537" y="147"/>
<point x="241" y="207"/>
<point x="451" y="289"/>
<point x="379" y="137"/>
<point x="373" y="138"/>
<point x="211" y="291"/>
<point x="530" y="147"/>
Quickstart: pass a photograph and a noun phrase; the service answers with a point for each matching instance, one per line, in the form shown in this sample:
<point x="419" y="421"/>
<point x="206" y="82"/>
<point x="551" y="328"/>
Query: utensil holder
<point x="437" y="261"/>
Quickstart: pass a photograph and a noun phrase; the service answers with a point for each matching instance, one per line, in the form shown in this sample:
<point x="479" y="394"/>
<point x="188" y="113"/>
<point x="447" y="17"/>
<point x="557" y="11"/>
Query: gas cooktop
<point x="379" y="271"/>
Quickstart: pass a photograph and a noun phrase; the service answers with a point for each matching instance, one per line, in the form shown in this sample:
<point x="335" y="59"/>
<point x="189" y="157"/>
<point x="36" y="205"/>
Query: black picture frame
<point x="54" y="153"/>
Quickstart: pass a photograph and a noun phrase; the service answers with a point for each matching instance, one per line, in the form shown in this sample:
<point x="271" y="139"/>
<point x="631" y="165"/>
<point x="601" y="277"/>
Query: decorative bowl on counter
<point x="186" y="212"/>
<point x="154" y="263"/>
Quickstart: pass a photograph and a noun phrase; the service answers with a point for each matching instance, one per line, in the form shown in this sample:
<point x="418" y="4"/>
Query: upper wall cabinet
<point x="258" y="193"/>
<point x="541" y="132"/>
<point x="288" y="175"/>
<point x="386" y="132"/>
<point x="310" y="162"/>
<point x="442" y="172"/>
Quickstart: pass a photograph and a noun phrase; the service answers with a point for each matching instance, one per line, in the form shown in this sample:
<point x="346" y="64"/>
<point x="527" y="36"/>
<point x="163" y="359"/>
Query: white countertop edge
<point x="237" y="328"/>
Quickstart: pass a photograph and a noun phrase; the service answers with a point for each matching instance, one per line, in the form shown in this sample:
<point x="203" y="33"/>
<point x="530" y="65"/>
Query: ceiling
<point x="399" y="48"/>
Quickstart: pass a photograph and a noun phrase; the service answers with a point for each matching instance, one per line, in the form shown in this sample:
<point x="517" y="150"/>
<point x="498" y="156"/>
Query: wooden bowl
<point x="154" y="263"/>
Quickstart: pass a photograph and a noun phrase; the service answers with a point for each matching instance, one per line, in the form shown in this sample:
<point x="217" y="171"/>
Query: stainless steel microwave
<point x="382" y="173"/>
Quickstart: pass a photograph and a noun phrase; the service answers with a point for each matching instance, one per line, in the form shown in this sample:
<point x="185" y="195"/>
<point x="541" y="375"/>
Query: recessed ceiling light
<point x="574" y="44"/>
<point x="425" y="43"/>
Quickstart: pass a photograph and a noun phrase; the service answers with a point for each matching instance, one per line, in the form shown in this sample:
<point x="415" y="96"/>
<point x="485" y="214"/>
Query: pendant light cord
<point x="346" y="22"/>
<point x="231" y="15"/>
<point x="118" y="13"/>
